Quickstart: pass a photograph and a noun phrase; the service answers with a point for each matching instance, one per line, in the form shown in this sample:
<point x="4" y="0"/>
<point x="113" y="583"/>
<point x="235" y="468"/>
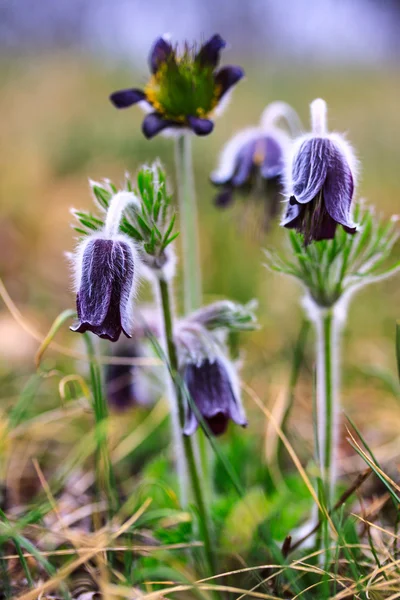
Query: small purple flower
<point x="253" y="162"/>
<point x="105" y="281"/>
<point x="255" y="165"/>
<point x="184" y="90"/>
<point x="320" y="182"/>
<point x="213" y="388"/>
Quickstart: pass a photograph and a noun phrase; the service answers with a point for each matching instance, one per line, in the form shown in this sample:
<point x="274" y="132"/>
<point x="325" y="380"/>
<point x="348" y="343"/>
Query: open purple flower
<point x="320" y="182"/>
<point x="214" y="390"/>
<point x="105" y="281"/>
<point x="184" y="90"/>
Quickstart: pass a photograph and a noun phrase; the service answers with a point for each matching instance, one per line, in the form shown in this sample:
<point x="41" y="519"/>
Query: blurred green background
<point x="58" y="129"/>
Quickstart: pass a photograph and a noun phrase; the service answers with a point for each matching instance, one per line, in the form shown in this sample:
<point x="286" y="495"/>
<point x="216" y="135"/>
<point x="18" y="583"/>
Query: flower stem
<point x="185" y="441"/>
<point x="327" y="405"/>
<point x="188" y="227"/>
<point x="190" y="254"/>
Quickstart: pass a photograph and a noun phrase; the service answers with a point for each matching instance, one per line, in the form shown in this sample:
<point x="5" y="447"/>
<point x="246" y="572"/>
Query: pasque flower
<point x="105" y="285"/>
<point x="252" y="162"/>
<point x="212" y="387"/>
<point x="210" y="379"/>
<point x="320" y="181"/>
<point x="105" y="273"/>
<point x="185" y="89"/>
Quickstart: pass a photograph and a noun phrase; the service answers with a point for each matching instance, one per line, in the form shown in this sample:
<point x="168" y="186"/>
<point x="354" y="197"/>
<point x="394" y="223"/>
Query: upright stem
<point x="188" y="227"/>
<point x="186" y="441"/>
<point x="327" y="329"/>
<point x="190" y="254"/>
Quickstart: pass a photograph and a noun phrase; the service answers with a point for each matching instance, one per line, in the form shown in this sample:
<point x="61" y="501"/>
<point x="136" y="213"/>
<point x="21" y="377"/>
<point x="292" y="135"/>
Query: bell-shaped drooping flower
<point x="214" y="392"/>
<point x="253" y="161"/>
<point x="210" y="379"/>
<point x="320" y="181"/>
<point x="106" y="265"/>
<point x="185" y="89"/>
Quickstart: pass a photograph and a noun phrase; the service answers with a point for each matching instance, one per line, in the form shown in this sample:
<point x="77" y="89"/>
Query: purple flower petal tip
<point x="227" y="77"/>
<point x="224" y="198"/>
<point x="154" y="124"/>
<point x="126" y="98"/>
<point x="200" y="126"/>
<point x="160" y="52"/>
<point x="209" y="53"/>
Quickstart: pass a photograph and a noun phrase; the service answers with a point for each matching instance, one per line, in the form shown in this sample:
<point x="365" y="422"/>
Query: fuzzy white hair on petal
<point x="76" y="260"/>
<point x="290" y="153"/>
<point x="348" y="152"/>
<point x="227" y="159"/>
<point x="318" y="109"/>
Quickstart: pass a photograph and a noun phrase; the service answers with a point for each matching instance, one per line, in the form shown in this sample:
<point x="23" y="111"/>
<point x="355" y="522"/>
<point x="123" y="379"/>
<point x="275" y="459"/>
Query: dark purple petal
<point x="218" y="424"/>
<point x="224" y="198"/>
<point x="125" y="98"/>
<point x="210" y="388"/>
<point x="159" y="54"/>
<point x="200" y="126"/>
<point x="96" y="282"/>
<point x="209" y="53"/>
<point x="310" y="167"/>
<point x="272" y="165"/>
<point x="312" y="220"/>
<point x="228" y="77"/>
<point x="244" y="164"/>
<point x="338" y="191"/>
<point x="105" y="288"/>
<point x="325" y="229"/>
<point x="154" y="123"/>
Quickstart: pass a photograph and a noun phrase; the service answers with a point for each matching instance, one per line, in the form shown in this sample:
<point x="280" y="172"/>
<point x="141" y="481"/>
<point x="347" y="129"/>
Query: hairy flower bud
<point x="320" y="182"/>
<point x="184" y="90"/>
<point x="105" y="278"/>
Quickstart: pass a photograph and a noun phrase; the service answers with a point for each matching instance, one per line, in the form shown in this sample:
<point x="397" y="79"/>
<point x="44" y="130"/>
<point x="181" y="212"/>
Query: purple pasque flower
<point x="210" y="379"/>
<point x="105" y="280"/>
<point x="253" y="162"/>
<point x="212" y="387"/>
<point x="185" y="89"/>
<point x="320" y="182"/>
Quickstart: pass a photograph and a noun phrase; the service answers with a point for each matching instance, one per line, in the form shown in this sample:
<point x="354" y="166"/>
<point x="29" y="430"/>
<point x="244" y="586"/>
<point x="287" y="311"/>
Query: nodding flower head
<point x="210" y="379"/>
<point x="184" y="90"/>
<point x="253" y="161"/>
<point x="105" y="279"/>
<point x="320" y="181"/>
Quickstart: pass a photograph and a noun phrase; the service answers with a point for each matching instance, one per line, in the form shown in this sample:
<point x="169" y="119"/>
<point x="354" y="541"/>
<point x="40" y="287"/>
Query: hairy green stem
<point x="327" y="404"/>
<point x="190" y="254"/>
<point x="186" y="441"/>
<point x="188" y="224"/>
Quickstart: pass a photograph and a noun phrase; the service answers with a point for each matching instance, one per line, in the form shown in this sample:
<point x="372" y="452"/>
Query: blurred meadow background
<point x="59" y="63"/>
